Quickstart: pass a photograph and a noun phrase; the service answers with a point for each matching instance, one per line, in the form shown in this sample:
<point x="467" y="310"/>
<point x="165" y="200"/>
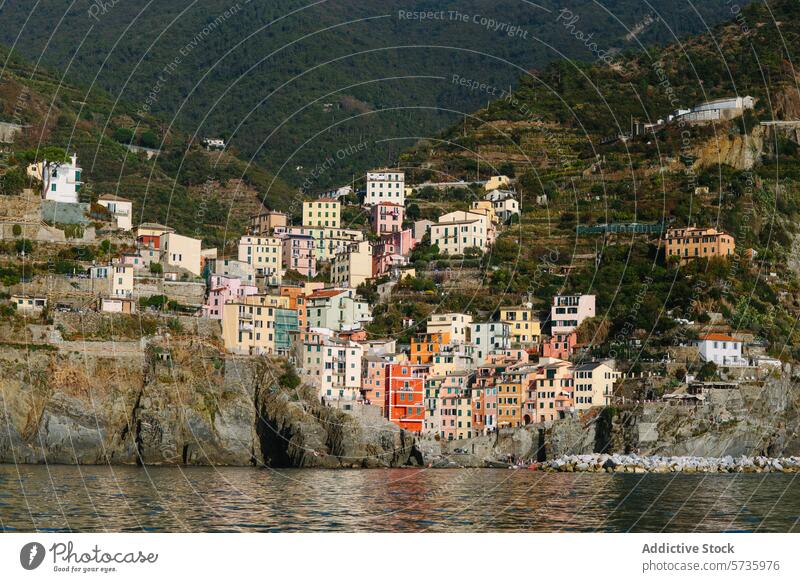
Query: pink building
<point x="550" y="393"/>
<point x="299" y="254"/>
<point x="387" y="217"/>
<point x="391" y="251"/>
<point x="373" y="385"/>
<point x="560" y="346"/>
<point x="222" y="290"/>
<point x="569" y="311"/>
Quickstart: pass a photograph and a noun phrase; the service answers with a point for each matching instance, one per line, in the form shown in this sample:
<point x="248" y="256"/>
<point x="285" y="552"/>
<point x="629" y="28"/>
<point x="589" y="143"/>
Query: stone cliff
<point x="185" y="403"/>
<point x="179" y="403"/>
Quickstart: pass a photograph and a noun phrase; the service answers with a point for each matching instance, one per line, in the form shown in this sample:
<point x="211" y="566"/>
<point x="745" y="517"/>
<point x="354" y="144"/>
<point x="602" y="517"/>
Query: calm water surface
<point x="60" y="498"/>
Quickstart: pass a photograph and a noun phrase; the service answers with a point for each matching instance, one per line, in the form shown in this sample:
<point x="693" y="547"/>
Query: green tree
<point x="24" y="245"/>
<point x="123" y="135"/>
<point x="12" y="182"/>
<point x="149" y="139"/>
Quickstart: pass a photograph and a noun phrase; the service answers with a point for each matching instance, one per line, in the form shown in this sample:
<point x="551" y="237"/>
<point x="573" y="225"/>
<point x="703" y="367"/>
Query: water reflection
<point x="240" y="499"/>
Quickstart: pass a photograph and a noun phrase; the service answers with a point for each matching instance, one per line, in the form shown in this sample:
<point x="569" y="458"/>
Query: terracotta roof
<point x="326" y="293"/>
<point x="719" y="337"/>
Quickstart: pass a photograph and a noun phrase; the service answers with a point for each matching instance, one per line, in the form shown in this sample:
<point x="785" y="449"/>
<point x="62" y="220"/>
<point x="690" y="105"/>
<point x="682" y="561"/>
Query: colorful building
<point x="560" y="346"/>
<point x="259" y="324"/>
<point x="512" y="393"/>
<point x="425" y="346"/>
<point x="265" y="254"/>
<point x="332" y="365"/>
<point x="593" y="384"/>
<point x="299" y="254"/>
<point x="404" y="404"/>
<point x="698" y="243"/>
<point x="386" y="218"/>
<point x="337" y="309"/>
<point x="524" y="326"/>
<point x="181" y="251"/>
<point x="456" y="325"/>
<point x="550" y="392"/>
<point x="352" y="266"/>
<point x="222" y="290"/>
<point x="264" y="223"/>
<point x="569" y="311"/>
<point x="322" y="213"/>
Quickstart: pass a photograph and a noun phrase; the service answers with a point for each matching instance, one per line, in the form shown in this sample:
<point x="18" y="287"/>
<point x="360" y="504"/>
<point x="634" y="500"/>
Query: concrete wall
<point x="184" y="292"/>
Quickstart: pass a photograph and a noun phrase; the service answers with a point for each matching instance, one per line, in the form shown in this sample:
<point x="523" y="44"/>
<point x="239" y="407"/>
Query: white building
<point x="265" y="254"/>
<point x="61" y="182"/>
<point x="332" y="365"/>
<point x="721" y="349"/>
<point x="457" y="325"/>
<point x="504" y="204"/>
<point x="569" y="311"/>
<point x="117" y="305"/>
<point x="458" y="231"/>
<point x="488" y="337"/>
<point x="337" y="310"/>
<point x="120" y="208"/>
<point x="385" y="185"/>
<point x="233" y="268"/>
<point x="26" y="303"/>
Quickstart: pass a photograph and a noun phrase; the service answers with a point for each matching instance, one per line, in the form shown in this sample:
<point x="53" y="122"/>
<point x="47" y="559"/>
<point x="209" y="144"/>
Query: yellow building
<point x="352" y="266"/>
<point x="265" y="254"/>
<point x="512" y="391"/>
<point x="524" y="326"/>
<point x="698" y="243"/>
<point x="323" y="213"/>
<point x="181" y="251"/>
<point x="259" y="324"/>
<point x="485" y="207"/>
<point x="496" y="182"/>
<point x="594" y="385"/>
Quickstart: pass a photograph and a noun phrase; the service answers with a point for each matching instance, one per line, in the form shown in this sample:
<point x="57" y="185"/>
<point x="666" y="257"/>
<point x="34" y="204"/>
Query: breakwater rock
<point x="604" y="463"/>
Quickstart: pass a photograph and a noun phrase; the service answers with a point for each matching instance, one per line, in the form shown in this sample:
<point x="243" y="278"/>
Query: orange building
<point x="405" y="394"/>
<point x="550" y="393"/>
<point x="425" y="346"/>
<point x="560" y="346"/>
<point x="511" y="395"/>
<point x="297" y="295"/>
<point x="698" y="243"/>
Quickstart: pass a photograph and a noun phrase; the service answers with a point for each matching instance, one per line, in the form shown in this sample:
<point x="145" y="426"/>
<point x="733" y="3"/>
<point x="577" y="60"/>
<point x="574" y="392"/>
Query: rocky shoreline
<point x="603" y="463"/>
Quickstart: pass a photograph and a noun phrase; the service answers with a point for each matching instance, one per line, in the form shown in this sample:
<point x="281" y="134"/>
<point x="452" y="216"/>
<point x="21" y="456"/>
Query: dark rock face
<point x="295" y="430"/>
<point x="185" y="406"/>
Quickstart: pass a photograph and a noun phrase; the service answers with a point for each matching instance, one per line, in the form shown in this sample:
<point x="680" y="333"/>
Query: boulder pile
<point x="616" y="463"/>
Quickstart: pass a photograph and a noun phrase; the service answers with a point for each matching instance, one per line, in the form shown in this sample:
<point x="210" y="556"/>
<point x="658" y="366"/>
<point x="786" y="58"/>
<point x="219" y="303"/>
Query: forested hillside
<point x="293" y="83"/>
<point x="558" y="135"/>
<point x="207" y="194"/>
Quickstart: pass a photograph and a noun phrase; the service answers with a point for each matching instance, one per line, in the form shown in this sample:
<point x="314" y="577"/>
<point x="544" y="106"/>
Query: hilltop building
<point x="698" y="243"/>
<point x="120" y="208"/>
<point x="61" y="182"/>
<point x="569" y="311"/>
<point x="385" y="185"/>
